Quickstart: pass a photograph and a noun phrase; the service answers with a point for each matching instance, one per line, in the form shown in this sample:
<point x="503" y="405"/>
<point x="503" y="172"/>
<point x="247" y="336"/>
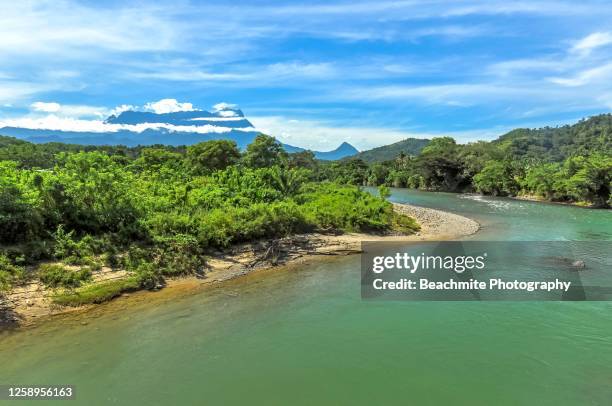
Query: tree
<point x="590" y="179"/>
<point x="153" y="159"/>
<point x="264" y="152"/>
<point x="496" y="178"/>
<point x="288" y="181"/>
<point x="303" y="159"/>
<point x="542" y="180"/>
<point x="384" y="192"/>
<point x="378" y="174"/>
<point x="20" y="220"/>
<point x="211" y="156"/>
<point x="441" y="167"/>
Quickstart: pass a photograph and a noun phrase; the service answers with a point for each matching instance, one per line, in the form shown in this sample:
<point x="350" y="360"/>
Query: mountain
<point x="133" y="128"/>
<point x="344" y="150"/>
<point x="557" y="143"/>
<point x="409" y="146"/>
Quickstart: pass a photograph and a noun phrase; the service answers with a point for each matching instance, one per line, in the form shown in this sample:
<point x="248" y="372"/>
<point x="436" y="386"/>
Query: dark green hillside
<point x="571" y="164"/>
<point x="409" y="146"/>
<point x="555" y="144"/>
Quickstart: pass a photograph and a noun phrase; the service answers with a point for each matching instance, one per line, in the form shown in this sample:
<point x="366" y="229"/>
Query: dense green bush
<point x="331" y="207"/>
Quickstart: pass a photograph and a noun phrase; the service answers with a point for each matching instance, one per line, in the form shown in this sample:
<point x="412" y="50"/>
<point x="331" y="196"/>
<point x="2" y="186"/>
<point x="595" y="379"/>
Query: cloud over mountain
<point x="166" y="121"/>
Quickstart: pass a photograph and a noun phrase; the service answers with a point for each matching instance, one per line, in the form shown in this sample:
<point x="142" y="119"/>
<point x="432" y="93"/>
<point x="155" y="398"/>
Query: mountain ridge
<point x="132" y="128"/>
<point x="409" y="146"/>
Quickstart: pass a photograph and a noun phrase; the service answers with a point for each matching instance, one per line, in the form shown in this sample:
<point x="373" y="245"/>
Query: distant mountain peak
<point x="344" y="150"/>
<point x="346" y="146"/>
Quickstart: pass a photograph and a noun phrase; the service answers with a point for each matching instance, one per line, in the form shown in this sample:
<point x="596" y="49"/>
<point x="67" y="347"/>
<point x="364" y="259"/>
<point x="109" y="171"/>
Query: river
<point x="304" y="336"/>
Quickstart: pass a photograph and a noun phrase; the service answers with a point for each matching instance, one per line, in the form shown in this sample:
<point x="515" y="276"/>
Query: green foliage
<point x="19" y="219"/>
<point x="9" y="273"/>
<point x="180" y="254"/>
<point x="99" y="196"/>
<point x="384" y="192"/>
<point x="56" y="275"/>
<point x="156" y="211"/>
<point x="304" y="159"/>
<point x="156" y="159"/>
<point x="96" y="293"/>
<point x="331" y="207"/>
<point x="211" y="156"/>
<point x="568" y="164"/>
<point x="350" y="172"/>
<point x="496" y="178"/>
<point x="287" y="182"/>
<point x="543" y="180"/>
<point x="264" y="152"/>
<point x="405" y="224"/>
<point x="588" y="179"/>
<point x="587" y="137"/>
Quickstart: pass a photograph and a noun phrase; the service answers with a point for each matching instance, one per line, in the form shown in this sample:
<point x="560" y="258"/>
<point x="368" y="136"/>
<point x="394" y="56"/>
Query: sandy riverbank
<point x="31" y="303"/>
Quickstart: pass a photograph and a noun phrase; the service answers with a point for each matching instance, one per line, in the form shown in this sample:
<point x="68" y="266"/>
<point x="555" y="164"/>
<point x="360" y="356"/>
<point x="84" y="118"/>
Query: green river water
<point x="304" y="336"/>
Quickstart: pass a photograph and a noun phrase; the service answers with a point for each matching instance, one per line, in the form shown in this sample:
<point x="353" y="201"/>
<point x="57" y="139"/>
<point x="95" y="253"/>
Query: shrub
<point x="55" y="275"/>
<point x="9" y="273"/>
<point x="330" y="207"/>
<point x="180" y="254"/>
<point x="405" y="224"/>
<point x="148" y="275"/>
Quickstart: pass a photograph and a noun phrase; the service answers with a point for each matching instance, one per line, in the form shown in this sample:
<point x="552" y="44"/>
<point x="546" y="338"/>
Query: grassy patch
<point x="96" y="293"/>
<point x="405" y="224"/>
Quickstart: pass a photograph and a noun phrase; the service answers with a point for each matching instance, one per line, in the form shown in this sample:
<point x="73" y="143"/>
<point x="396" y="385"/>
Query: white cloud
<point x="69" y="110"/>
<point x="168" y="106"/>
<point x="224" y="106"/>
<point x="190" y="75"/>
<point x="46" y="107"/>
<point x="120" y="109"/>
<point x="252" y="75"/>
<point x="53" y="122"/>
<point x="459" y="94"/>
<point x="585" y="77"/>
<point x="592" y="41"/>
<point x="65" y="27"/>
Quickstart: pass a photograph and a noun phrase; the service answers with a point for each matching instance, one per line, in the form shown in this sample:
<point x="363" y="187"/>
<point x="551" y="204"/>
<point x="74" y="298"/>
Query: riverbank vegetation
<point x="568" y="164"/>
<point x="66" y="211"/>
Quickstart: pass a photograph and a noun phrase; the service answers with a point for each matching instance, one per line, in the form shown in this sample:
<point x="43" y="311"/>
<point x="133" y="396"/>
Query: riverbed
<point x="304" y="336"/>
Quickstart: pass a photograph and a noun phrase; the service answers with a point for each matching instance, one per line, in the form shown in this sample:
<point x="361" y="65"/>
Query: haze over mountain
<point x="132" y="127"/>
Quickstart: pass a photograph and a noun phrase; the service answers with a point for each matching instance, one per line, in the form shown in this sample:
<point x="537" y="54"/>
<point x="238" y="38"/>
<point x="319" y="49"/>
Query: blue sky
<point x="314" y="74"/>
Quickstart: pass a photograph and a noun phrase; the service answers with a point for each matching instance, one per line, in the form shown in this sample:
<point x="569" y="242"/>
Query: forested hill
<point x="572" y="164"/>
<point x="555" y="144"/>
<point x="409" y="146"/>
